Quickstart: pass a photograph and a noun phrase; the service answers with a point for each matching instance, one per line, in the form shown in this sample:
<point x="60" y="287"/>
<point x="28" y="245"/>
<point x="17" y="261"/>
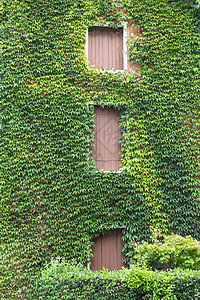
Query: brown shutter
<point x="105" y="46"/>
<point x="107" y="132"/>
<point x="107" y="251"/>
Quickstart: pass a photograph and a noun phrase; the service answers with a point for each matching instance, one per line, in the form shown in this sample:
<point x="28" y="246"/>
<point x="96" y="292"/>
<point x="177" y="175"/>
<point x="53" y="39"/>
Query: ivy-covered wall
<point x="53" y="200"/>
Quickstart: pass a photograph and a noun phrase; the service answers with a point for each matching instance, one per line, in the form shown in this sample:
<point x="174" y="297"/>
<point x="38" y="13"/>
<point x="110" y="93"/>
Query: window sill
<point x="111" y="171"/>
<point x="108" y="70"/>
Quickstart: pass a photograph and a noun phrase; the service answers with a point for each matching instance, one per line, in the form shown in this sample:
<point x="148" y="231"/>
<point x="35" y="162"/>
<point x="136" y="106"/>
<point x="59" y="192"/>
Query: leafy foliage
<point x="175" y="284"/>
<point x="173" y="252"/>
<point x="65" y="280"/>
<point x="53" y="200"/>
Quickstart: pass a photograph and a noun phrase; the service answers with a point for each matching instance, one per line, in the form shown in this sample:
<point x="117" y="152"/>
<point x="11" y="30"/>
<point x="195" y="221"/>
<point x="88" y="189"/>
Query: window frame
<point x="124" y="52"/>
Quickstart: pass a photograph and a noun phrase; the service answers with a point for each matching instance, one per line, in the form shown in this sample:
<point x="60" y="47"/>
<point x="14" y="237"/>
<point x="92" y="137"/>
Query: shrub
<point x="65" y="280"/>
<point x="174" y="284"/>
<point x="173" y="252"/>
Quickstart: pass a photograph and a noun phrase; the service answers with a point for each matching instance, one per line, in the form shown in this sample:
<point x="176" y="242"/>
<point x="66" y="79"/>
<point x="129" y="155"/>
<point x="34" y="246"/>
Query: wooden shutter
<point x="107" y="131"/>
<point x="107" y="251"/>
<point x="105" y="46"/>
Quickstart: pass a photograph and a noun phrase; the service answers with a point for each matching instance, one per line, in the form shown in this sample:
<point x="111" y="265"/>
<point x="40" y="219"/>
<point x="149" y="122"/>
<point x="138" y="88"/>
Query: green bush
<point x="64" y="280"/>
<point x="174" y="284"/>
<point x="173" y="252"/>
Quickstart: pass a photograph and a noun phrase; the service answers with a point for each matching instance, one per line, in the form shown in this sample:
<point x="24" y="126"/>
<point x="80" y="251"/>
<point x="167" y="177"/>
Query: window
<point x="107" y="251"/>
<point x="106" y="152"/>
<point x="106" y="47"/>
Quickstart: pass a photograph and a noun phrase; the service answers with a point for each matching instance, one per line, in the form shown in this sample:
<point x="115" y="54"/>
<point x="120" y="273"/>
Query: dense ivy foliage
<point x="53" y="201"/>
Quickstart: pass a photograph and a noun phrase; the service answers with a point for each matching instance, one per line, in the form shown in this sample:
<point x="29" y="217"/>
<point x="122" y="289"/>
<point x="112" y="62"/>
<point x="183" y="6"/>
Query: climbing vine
<point x="53" y="200"/>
